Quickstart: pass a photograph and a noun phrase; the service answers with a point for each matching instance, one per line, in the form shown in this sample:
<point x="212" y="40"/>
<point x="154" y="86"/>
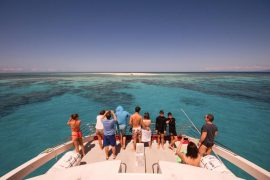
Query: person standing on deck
<point x="146" y="132"/>
<point x="161" y="128"/>
<point x="208" y="133"/>
<point x="172" y="130"/>
<point x="76" y="133"/>
<point x="99" y="128"/>
<point x="122" y="118"/>
<point x="108" y="121"/>
<point x="136" y="121"/>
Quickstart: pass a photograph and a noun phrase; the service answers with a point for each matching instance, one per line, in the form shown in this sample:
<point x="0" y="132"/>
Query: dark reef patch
<point x="244" y="90"/>
<point x="107" y="93"/>
<point x="12" y="102"/>
<point x="192" y="101"/>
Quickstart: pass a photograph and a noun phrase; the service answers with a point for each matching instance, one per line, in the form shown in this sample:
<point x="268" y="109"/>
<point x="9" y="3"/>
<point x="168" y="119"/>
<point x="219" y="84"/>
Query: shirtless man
<point x="136" y="122"/>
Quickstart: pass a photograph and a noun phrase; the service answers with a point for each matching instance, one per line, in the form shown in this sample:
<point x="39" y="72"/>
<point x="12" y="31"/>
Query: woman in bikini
<point x="76" y="133"/>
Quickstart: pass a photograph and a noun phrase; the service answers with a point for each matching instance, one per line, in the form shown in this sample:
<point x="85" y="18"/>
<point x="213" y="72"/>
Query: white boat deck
<point x="110" y="170"/>
<point x="128" y="156"/>
<point x="95" y="166"/>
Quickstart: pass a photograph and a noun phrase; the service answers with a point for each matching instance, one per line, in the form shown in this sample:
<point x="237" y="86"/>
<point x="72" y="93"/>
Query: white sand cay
<point x="143" y="74"/>
<point x="130" y="74"/>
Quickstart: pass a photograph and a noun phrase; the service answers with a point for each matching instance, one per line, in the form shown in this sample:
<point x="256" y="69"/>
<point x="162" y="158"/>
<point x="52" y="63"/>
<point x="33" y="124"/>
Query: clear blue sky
<point x="147" y="35"/>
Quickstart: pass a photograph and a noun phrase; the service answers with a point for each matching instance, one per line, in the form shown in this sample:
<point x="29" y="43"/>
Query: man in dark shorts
<point x="172" y="130"/>
<point x="161" y="128"/>
<point x="208" y="133"/>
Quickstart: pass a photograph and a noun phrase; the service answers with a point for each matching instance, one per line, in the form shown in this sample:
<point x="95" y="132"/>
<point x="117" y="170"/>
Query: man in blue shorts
<point x="108" y="121"/>
<point x="122" y="118"/>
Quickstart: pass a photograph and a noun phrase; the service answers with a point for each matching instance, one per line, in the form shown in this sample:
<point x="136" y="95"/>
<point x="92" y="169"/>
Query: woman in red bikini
<point x="76" y="133"/>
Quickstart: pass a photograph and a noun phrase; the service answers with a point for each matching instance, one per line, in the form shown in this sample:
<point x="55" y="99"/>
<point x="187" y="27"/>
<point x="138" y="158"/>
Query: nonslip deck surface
<point x="128" y="156"/>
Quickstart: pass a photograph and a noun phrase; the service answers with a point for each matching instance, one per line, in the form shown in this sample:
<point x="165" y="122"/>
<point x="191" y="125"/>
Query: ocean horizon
<point x="146" y="72"/>
<point x="37" y="105"/>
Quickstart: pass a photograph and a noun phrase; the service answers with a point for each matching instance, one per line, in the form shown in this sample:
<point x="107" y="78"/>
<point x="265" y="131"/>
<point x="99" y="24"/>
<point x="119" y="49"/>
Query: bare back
<point x="135" y="120"/>
<point x="192" y="161"/>
<point x="74" y="125"/>
<point x="147" y="122"/>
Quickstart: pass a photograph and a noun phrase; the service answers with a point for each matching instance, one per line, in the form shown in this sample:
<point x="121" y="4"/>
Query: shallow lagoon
<point x="35" y="107"/>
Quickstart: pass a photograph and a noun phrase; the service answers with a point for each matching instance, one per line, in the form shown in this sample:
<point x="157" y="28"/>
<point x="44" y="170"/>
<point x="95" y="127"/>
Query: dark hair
<point x="137" y="109"/>
<point x="108" y="115"/>
<point x="102" y="112"/>
<point x="169" y="114"/>
<point x="192" y="150"/>
<point x="161" y="112"/>
<point x="146" y="115"/>
<point x="210" y="117"/>
<point x="74" y="116"/>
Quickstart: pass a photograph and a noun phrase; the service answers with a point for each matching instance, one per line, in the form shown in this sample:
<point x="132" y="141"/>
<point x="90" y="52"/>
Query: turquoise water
<point x="35" y="108"/>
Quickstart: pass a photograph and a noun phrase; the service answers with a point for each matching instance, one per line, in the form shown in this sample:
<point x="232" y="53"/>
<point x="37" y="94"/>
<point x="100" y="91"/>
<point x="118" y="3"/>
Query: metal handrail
<point x="125" y="166"/>
<point x="153" y="165"/>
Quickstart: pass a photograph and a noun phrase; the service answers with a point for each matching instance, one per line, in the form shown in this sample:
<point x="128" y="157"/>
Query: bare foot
<point x="107" y="158"/>
<point x="114" y="156"/>
<point x="158" y="146"/>
<point x="163" y="147"/>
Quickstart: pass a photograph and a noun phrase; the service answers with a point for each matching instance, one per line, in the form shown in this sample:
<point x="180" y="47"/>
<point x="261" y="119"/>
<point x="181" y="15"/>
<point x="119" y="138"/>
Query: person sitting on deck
<point x="146" y="132"/>
<point x="122" y="118"/>
<point x="109" y="133"/>
<point x="161" y="128"/>
<point x="136" y="122"/>
<point x="99" y="128"/>
<point x="192" y="157"/>
<point x="76" y="133"/>
<point x="172" y="130"/>
<point x="208" y="133"/>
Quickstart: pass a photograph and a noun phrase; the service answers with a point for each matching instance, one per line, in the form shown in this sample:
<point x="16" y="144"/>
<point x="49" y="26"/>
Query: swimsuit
<point x="76" y="131"/>
<point x="136" y="132"/>
<point x="77" y="134"/>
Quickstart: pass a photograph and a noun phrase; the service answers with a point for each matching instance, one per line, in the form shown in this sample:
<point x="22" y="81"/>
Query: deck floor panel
<point x="128" y="156"/>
